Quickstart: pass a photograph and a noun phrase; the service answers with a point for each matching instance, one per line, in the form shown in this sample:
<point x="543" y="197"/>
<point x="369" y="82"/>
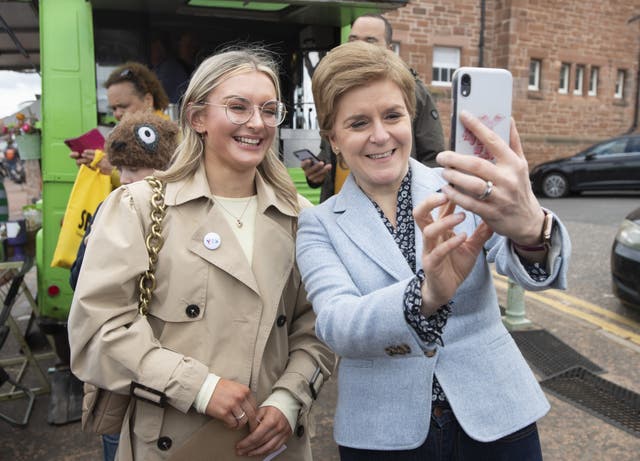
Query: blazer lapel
<point x="360" y="221"/>
<point x="424" y="182"/>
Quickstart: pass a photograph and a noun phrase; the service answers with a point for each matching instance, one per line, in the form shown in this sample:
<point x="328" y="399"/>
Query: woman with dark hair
<point x="131" y="87"/>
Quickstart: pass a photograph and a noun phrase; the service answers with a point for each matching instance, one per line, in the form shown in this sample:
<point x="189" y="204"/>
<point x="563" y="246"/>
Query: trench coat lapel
<point x="228" y="256"/>
<point x="273" y="249"/>
<point x="360" y="221"/>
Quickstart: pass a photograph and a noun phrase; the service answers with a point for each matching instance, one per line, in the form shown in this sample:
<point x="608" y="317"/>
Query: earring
<point x="336" y="150"/>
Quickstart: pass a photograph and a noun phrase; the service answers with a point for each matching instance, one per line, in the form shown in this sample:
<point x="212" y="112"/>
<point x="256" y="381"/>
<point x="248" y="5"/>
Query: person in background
<point x="135" y="158"/>
<point x="228" y="343"/>
<point x="428" y="138"/>
<point x="188" y="47"/>
<point x="168" y="69"/>
<point x="397" y="268"/>
<point x="131" y="87"/>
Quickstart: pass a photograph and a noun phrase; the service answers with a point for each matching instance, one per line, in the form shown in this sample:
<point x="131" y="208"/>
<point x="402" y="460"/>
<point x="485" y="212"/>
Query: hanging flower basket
<point x="29" y="146"/>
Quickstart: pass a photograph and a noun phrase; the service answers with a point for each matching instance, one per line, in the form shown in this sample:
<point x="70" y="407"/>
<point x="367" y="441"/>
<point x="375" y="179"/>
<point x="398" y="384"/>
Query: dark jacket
<point x="77" y="264"/>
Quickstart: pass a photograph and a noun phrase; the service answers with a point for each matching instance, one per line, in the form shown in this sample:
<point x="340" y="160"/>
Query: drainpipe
<point x="634" y="125"/>
<point x="481" y="41"/>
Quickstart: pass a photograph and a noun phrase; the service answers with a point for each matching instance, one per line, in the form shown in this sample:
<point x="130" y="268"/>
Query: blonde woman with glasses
<point x="229" y="341"/>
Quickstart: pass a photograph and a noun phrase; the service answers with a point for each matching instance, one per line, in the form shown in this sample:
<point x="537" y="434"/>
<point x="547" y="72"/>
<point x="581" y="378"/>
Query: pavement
<point x="567" y="433"/>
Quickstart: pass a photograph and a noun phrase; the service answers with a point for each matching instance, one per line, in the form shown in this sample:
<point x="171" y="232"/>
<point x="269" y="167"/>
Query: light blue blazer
<point x="356" y="276"/>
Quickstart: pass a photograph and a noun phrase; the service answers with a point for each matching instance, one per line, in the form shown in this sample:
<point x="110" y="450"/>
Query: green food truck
<point x="80" y="41"/>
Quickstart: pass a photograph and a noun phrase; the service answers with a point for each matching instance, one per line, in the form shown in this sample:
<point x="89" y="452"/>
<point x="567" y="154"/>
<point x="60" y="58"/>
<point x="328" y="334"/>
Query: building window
<point x="445" y="61"/>
<point x="620" y="83"/>
<point x="577" y="89"/>
<point x="593" y="81"/>
<point x="564" y="78"/>
<point x="534" y="74"/>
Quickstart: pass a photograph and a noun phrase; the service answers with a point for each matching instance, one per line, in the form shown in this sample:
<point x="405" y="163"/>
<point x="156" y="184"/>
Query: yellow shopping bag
<point x="89" y="190"/>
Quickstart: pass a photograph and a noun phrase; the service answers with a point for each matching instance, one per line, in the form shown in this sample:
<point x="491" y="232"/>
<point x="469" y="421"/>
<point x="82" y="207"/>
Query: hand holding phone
<point x="306" y="154"/>
<point x="486" y="94"/>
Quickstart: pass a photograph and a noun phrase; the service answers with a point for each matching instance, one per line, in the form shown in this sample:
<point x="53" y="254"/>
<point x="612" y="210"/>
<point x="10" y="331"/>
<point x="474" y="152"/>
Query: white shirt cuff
<point x="205" y="393"/>
<point x="284" y="401"/>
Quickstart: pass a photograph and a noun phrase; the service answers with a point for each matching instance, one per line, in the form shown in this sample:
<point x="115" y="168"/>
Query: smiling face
<point x="238" y="147"/>
<point x="372" y="131"/>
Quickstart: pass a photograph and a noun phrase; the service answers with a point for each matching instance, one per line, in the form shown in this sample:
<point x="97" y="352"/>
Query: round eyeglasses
<point x="240" y="110"/>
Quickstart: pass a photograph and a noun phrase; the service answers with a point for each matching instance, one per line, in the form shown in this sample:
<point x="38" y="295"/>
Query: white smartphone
<point x="485" y="93"/>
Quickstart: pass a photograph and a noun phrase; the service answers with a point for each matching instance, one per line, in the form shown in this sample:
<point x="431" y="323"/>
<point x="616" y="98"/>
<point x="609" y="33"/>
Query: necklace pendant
<point x="239" y="223"/>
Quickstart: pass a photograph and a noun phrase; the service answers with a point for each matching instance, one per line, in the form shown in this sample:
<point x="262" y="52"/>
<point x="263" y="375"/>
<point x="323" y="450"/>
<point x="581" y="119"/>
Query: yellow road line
<point x="572" y="300"/>
<point x="607" y="326"/>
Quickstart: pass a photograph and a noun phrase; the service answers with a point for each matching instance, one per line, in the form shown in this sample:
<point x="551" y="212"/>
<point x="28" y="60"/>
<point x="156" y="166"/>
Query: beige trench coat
<point x="210" y="312"/>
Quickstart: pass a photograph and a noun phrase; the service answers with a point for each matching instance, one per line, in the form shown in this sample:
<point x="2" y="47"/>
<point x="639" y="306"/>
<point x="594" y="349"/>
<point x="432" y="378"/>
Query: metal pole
<point x="514" y="318"/>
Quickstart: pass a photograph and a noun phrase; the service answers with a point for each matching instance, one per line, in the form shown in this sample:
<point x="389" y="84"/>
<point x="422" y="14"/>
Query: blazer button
<point x="193" y="311"/>
<point x="281" y="320"/>
<point x="430" y="352"/>
<point x="164" y="443"/>
<point x="300" y="431"/>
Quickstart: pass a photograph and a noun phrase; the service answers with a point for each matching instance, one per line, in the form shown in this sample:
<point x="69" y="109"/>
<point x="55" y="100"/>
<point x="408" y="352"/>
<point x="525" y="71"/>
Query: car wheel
<point x="555" y="185"/>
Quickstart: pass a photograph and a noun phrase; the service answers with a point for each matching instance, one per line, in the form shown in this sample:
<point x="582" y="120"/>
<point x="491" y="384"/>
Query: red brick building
<point x="574" y="62"/>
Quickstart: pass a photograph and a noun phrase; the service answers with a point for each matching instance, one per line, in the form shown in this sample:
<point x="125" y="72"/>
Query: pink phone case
<point x="92" y="139"/>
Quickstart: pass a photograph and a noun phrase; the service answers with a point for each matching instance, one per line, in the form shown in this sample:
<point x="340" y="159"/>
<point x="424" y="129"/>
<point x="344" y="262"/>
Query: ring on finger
<point x="487" y="191"/>
<point x="241" y="416"/>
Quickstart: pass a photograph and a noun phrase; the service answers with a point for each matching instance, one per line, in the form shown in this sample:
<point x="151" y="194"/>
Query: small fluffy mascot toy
<point x="142" y="140"/>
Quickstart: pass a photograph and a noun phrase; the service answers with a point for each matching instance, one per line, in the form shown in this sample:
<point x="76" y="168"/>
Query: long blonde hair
<point x="211" y="73"/>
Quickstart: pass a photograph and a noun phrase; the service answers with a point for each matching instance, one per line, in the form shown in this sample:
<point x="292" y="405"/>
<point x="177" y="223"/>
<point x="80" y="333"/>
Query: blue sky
<point x="16" y="88"/>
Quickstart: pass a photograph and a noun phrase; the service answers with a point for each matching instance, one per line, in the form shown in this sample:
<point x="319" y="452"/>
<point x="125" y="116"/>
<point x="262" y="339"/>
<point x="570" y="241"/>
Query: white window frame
<point x="620" y="80"/>
<point x="579" y="80"/>
<point x="534" y="70"/>
<point x="565" y="71"/>
<point x="593" y="80"/>
<point x="446" y="59"/>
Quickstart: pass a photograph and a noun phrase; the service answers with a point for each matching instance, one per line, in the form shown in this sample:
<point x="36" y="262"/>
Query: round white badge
<point x="212" y="241"/>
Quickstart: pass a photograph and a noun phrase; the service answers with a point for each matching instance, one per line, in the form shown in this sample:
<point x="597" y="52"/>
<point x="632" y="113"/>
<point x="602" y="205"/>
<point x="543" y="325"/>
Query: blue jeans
<point x="447" y="441"/>
<point x="109" y="446"/>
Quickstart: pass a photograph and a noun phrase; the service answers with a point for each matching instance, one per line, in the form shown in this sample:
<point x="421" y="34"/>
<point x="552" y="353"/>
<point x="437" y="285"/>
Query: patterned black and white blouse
<point x="429" y="329"/>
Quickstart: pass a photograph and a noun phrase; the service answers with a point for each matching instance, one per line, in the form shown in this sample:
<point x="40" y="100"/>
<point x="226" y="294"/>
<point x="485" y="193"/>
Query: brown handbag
<point x="102" y="410"/>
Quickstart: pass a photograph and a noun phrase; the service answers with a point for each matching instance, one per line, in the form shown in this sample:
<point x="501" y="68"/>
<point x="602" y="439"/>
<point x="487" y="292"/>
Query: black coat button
<point x="300" y="431"/>
<point x="164" y="443"/>
<point x="193" y="311"/>
<point x="281" y="320"/>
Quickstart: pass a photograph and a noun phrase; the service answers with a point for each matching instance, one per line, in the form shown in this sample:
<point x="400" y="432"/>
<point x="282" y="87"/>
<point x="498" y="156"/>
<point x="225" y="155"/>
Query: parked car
<point x="625" y="260"/>
<point x="609" y="165"/>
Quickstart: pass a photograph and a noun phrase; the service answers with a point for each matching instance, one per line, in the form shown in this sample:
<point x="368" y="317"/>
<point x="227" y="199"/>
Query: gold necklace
<point x="237" y="218"/>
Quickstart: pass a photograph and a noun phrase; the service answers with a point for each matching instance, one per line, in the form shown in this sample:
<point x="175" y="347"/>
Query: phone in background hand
<point x="92" y="139"/>
<point x="306" y="154"/>
<point x="486" y="94"/>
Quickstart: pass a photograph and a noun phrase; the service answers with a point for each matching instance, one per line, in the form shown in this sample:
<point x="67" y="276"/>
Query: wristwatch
<point x="547" y="228"/>
<point x="545" y="237"/>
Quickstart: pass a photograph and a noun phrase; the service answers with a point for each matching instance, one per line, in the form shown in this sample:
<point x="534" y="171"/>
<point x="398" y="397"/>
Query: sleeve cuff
<point x="428" y="329"/>
<point x="286" y="403"/>
<point x="206" y="391"/>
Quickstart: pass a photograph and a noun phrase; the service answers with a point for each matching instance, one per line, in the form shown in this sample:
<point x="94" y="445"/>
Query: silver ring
<point x="241" y="416"/>
<point x="487" y="191"/>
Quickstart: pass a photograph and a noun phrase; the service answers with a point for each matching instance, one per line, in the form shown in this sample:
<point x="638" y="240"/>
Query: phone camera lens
<point x="465" y="85"/>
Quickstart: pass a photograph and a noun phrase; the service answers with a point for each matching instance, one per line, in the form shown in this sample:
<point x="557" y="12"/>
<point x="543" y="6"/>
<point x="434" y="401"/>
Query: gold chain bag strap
<point x="103" y="411"/>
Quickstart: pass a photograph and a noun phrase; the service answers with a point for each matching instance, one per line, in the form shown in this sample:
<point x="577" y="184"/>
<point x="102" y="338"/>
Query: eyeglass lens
<point x="240" y="110"/>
